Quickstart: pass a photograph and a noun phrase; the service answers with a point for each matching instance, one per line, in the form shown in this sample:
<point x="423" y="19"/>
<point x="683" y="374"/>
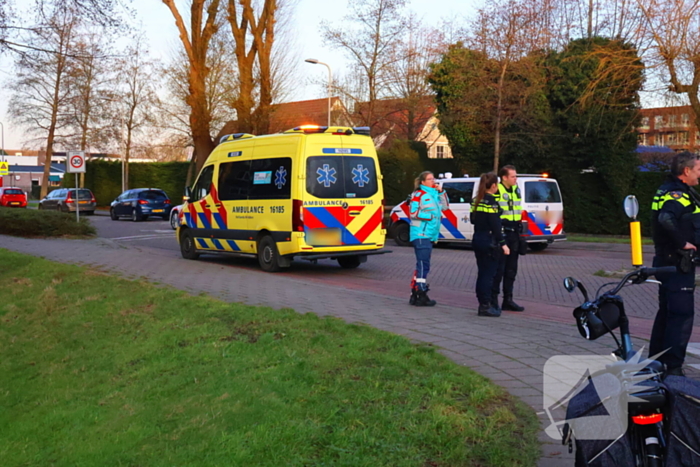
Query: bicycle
<point x="641" y="386"/>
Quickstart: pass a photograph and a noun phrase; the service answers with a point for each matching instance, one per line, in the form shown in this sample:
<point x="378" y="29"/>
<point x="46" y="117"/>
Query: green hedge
<point x="34" y="223"/>
<point x="104" y="179"/>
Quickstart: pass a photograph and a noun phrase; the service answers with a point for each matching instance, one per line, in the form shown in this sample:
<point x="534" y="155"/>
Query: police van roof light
<point x="545" y="175"/>
<point x="310" y="128"/>
<point x="361" y="130"/>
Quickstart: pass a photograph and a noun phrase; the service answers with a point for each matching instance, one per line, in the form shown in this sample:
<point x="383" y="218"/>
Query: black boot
<point x="485" y="309"/>
<point x="510" y="305"/>
<point x="494" y="302"/>
<point x="423" y="300"/>
<point x="414" y="296"/>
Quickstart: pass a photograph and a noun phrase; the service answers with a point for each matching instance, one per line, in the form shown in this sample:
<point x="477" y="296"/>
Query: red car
<point x="13" y="197"/>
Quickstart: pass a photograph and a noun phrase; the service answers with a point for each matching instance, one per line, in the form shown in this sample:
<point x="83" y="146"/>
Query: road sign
<point x="76" y="162"/>
<point x="4" y="168"/>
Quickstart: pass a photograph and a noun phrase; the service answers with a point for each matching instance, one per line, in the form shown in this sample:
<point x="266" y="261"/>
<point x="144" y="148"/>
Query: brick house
<point x="392" y="119"/>
<point x="672" y="127"/>
<point x="293" y="114"/>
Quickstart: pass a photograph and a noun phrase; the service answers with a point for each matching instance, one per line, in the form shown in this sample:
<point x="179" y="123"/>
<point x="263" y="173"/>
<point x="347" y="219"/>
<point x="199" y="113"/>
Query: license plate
<point x="83" y="202"/>
<point x="324" y="237"/>
<point x="157" y="210"/>
<point x="14" y="204"/>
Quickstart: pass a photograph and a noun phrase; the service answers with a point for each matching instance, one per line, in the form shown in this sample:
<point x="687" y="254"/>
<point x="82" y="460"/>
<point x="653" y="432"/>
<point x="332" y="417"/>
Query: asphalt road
<point x="453" y="267"/>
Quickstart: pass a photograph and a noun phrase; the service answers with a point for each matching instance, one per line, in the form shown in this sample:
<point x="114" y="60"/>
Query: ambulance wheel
<point x="540" y="246"/>
<point x="402" y="234"/>
<point x="349" y="262"/>
<point x="267" y="255"/>
<point x="187" y="248"/>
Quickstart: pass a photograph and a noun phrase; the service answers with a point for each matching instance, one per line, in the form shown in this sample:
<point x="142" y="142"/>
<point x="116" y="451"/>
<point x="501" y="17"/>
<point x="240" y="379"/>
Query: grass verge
<point x="604" y="239"/>
<point x="34" y="223"/>
<point x="99" y="370"/>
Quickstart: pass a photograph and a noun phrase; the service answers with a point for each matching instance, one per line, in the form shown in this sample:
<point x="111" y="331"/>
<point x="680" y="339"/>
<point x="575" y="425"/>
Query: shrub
<point x="32" y="223"/>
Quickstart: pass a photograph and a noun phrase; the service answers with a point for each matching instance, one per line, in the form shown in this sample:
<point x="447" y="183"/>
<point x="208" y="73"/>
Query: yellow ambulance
<point x="307" y="193"/>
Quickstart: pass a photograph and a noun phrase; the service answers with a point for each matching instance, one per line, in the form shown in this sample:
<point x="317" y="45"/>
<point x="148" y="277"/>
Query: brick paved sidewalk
<point x="510" y="350"/>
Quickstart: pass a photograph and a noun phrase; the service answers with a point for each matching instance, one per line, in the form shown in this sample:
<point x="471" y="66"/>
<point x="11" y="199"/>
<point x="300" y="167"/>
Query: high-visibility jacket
<point x="425" y="209"/>
<point x="510" y="202"/>
<point x="674" y="218"/>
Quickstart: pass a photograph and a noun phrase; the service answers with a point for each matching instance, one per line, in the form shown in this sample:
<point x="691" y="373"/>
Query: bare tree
<point x="254" y="37"/>
<point x="136" y="98"/>
<point x="39" y="96"/>
<point x="196" y="40"/>
<point x="507" y="31"/>
<point x="369" y="37"/>
<point x="674" y="28"/>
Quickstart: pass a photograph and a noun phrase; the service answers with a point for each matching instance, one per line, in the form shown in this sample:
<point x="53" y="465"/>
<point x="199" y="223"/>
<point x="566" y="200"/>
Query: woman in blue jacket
<point x="425" y="209"/>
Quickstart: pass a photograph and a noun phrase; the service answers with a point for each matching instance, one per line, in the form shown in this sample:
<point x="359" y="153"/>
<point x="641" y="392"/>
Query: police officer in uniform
<point x="675" y="210"/>
<point x="509" y="199"/>
<point x="488" y="242"/>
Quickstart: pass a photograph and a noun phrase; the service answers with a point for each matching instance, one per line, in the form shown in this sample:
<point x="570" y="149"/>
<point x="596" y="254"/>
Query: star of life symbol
<point x="360" y="176"/>
<point x="614" y="382"/>
<point x="281" y="177"/>
<point x="326" y="175"/>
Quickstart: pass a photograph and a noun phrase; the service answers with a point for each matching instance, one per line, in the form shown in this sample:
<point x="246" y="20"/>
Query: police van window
<point x="459" y="192"/>
<point x="542" y="192"/>
<point x="272" y="178"/>
<point x="341" y="176"/>
<point x="234" y="180"/>
<point x="203" y="185"/>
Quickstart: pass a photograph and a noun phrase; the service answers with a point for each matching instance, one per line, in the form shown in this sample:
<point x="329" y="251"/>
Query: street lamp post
<point x="330" y="81"/>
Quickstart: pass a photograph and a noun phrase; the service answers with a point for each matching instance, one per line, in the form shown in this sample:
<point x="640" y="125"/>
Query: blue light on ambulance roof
<point x="342" y="151"/>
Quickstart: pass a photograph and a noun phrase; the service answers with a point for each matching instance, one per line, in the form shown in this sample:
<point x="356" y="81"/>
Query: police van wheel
<point x="349" y="262"/>
<point x="267" y="255"/>
<point x="402" y="234"/>
<point x="187" y="248"/>
<point x="174" y="220"/>
<point x="540" y="246"/>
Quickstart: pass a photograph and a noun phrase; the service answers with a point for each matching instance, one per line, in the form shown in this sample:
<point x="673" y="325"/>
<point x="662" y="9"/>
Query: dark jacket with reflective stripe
<point x="672" y="213"/>
<point x="486" y="217"/>
<point x="511" y="206"/>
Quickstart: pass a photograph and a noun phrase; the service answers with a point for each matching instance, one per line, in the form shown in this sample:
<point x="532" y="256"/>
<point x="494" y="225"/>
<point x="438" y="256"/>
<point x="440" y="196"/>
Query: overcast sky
<point x="161" y="32"/>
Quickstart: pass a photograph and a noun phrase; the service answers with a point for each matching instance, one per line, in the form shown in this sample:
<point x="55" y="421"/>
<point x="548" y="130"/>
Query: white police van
<point x="543" y="211"/>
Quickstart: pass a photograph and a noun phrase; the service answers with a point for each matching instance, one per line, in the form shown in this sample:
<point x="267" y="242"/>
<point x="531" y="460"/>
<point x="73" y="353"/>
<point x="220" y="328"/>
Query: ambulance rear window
<point x="341" y="176"/>
<point x="542" y="192"/>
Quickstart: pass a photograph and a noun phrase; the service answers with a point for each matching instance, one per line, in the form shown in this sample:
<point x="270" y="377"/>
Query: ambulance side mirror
<point x="188" y="194"/>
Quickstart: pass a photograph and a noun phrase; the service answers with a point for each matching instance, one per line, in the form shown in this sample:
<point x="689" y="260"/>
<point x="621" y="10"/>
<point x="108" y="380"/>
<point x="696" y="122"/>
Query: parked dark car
<point x="13" y="197"/>
<point x="140" y="203"/>
<point x="65" y="200"/>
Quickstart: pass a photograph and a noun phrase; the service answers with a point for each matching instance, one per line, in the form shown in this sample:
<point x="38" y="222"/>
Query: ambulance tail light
<point x="297" y="216"/>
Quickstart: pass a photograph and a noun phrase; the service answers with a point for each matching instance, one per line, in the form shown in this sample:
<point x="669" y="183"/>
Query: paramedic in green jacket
<point x="426" y="206"/>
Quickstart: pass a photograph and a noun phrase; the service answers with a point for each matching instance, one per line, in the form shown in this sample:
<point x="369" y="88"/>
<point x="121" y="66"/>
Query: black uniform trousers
<point x="487" y="260"/>
<point x="507" y="266"/>
<point x="674" y="320"/>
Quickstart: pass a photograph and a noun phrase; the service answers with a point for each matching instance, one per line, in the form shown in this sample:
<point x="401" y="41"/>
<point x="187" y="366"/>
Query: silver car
<point x="65" y="200"/>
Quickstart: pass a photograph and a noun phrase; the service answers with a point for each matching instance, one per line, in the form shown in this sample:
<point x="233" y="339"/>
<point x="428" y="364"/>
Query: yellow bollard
<point x="636" y="242"/>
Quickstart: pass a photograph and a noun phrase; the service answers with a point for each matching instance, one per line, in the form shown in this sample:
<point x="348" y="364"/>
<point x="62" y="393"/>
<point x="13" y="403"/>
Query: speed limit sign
<point x="75" y="161"/>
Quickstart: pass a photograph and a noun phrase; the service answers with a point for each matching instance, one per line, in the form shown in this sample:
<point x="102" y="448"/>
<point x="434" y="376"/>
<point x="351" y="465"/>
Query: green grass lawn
<point x="102" y="371"/>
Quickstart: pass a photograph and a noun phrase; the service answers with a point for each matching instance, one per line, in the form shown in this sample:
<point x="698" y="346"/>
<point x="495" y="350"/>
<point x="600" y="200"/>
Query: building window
<point x="659" y="121"/>
<point x="671" y="138"/>
<point x="697" y="138"/>
<point x="685" y="120"/>
<point x="683" y="137"/>
<point x="642" y="139"/>
<point x="645" y="122"/>
<point x="440" y="152"/>
<point x="672" y="120"/>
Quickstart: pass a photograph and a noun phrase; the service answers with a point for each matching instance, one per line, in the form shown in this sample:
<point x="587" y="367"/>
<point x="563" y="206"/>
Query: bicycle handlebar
<point x="642" y="275"/>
